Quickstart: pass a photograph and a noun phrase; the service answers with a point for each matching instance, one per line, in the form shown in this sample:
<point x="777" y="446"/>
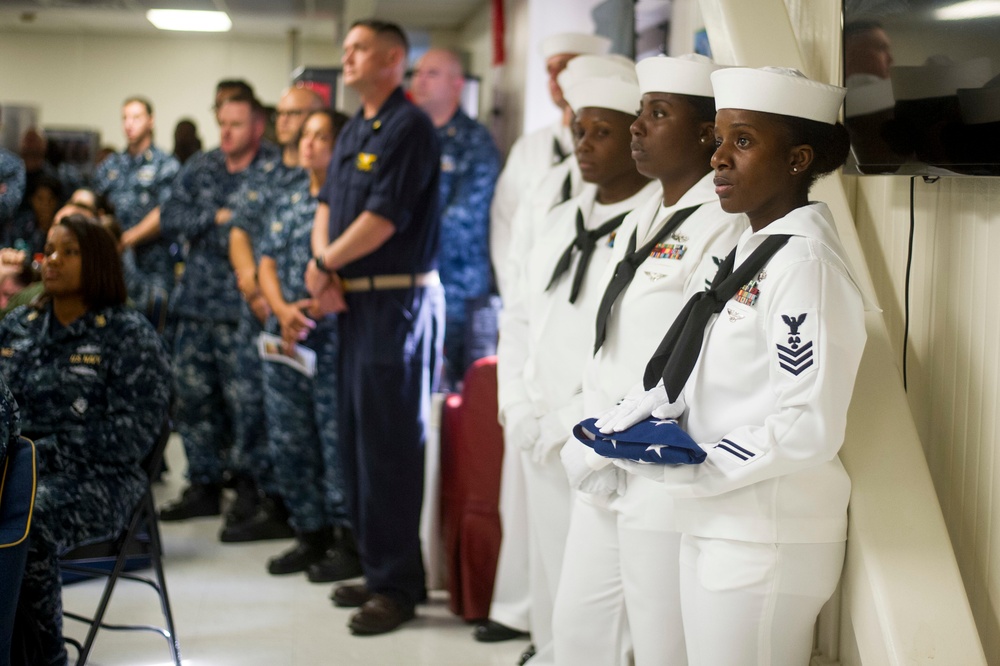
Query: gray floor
<point x="230" y="612"/>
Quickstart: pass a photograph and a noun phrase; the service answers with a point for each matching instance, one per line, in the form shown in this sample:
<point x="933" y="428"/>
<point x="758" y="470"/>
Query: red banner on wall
<point x="499" y="55"/>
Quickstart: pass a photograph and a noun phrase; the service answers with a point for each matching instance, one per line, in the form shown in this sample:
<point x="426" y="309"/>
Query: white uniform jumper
<point x="530" y="166"/>
<point x="764" y="518"/>
<point x="530" y="158"/>
<point x="544" y="342"/>
<point x="616" y="541"/>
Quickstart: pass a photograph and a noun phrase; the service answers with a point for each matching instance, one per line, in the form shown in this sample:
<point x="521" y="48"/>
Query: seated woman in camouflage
<point x="93" y="385"/>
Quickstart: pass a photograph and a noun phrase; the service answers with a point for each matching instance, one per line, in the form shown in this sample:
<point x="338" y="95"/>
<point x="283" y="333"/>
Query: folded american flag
<point x="656" y="441"/>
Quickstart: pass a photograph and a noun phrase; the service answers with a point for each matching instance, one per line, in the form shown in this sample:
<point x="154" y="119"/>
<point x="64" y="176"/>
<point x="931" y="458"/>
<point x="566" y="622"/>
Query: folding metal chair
<point x="142" y="523"/>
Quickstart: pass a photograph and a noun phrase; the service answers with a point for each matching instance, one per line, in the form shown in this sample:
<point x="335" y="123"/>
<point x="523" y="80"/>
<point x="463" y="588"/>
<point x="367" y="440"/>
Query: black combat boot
<point x="199" y="499"/>
<point x="310" y="547"/>
<point x="339" y="562"/>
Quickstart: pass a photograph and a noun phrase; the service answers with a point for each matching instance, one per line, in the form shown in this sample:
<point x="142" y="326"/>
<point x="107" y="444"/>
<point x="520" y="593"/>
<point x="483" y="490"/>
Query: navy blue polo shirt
<point x="388" y="165"/>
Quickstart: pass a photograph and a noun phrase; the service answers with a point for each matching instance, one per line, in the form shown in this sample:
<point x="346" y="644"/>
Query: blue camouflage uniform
<point x="302" y="412"/>
<point x="470" y="164"/>
<point x="10" y="421"/>
<point x="390" y="339"/>
<point x="93" y="396"/>
<point x="207" y="307"/>
<point x="17" y="220"/>
<point x="22" y="232"/>
<point x="260" y="188"/>
<point x="12" y="555"/>
<point x="135" y="185"/>
<point x="11" y="187"/>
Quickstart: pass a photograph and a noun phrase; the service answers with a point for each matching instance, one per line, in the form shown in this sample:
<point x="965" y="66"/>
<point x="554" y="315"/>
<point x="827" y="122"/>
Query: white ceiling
<point x="313" y="19"/>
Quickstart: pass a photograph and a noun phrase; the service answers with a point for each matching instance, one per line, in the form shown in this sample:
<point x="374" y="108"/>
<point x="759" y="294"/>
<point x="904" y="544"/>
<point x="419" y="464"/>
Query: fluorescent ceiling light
<point x="192" y="21"/>
<point x="970" y="9"/>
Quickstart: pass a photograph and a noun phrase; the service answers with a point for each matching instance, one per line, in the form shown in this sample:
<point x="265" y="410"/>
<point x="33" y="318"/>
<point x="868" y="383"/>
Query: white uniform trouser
<point x="754" y="604"/>
<point x="607" y="603"/>
<point x="549" y="503"/>
<point x="511" y="602"/>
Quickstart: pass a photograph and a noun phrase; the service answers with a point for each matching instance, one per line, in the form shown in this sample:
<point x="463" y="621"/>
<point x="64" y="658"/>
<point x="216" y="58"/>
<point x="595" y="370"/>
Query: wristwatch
<point x="318" y="260"/>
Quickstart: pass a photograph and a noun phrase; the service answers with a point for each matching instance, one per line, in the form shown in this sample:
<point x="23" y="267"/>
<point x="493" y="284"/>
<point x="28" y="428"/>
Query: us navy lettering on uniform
<point x="796" y="356"/>
<point x="739" y="453"/>
<point x="85" y="359"/>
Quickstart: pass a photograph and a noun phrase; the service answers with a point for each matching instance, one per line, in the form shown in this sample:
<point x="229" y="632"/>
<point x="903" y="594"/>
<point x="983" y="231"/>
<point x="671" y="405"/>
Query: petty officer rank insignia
<point x="795" y="334"/>
<point x="668" y="251"/>
<point x="365" y="161"/>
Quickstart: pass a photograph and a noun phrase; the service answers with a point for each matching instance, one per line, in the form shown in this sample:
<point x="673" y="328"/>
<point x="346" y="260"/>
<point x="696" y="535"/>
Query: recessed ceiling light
<point x="971" y="9"/>
<point x="192" y="21"/>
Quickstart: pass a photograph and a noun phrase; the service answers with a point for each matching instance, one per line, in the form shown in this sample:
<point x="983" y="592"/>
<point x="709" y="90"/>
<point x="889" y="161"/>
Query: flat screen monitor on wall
<point x="923" y="87"/>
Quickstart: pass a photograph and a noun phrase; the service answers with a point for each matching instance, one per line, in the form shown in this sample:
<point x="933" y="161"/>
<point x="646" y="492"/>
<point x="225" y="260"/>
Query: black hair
<point x="48" y="181"/>
<point x="101" y="278"/>
<point x="239" y="84"/>
<point x="101" y="203"/>
<point x="141" y="100"/>
<point x="241" y="96"/>
<point x="704" y="107"/>
<point x="830" y="143"/>
<point x="337" y="121"/>
<point x="236" y="88"/>
<point x="387" y="30"/>
<point x="186" y="123"/>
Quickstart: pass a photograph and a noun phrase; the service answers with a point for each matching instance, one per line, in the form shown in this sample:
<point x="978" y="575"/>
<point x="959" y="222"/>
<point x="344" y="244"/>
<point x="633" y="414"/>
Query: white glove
<point x="589" y="472"/>
<point x="671" y="410"/>
<point x="632" y="409"/>
<point x="520" y="425"/>
<point x="552" y="435"/>
<point x="650" y="471"/>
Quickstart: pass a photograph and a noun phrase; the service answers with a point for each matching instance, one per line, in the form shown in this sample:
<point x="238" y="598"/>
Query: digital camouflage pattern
<point x="93" y="396"/>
